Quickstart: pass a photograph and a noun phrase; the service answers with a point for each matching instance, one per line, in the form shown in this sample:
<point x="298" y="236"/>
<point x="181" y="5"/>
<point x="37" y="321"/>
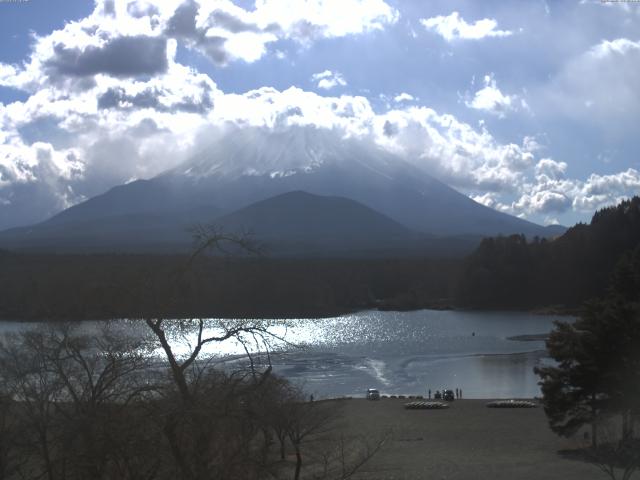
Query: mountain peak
<point x="260" y="151"/>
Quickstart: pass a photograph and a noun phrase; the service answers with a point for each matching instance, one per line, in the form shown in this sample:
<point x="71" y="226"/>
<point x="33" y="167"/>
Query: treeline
<point x="76" y="287"/>
<point x="511" y="272"/>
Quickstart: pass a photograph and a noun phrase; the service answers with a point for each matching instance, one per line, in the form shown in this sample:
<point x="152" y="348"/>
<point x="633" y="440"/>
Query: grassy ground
<point x="466" y="441"/>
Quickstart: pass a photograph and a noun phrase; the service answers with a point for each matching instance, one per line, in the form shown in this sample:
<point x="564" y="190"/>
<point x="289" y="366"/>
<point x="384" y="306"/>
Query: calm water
<point x="396" y="352"/>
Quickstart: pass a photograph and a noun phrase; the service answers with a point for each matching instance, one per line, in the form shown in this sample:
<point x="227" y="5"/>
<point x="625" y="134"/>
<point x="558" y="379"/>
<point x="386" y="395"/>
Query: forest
<point x="77" y="287"/>
<point x="511" y="272"/>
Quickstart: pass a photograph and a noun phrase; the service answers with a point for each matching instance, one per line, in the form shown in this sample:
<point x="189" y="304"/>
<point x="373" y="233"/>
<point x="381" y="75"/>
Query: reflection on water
<point x="411" y="352"/>
<point x="396" y="352"/>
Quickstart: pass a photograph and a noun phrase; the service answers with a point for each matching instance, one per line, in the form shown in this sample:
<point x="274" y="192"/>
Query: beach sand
<point x="465" y="441"/>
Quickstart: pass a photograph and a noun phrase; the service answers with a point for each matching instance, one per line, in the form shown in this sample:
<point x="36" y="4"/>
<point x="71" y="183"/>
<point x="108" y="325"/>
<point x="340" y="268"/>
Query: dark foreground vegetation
<point x="79" y="406"/>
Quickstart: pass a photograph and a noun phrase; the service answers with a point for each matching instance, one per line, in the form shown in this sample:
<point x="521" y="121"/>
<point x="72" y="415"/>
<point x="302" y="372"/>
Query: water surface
<point x="396" y="352"/>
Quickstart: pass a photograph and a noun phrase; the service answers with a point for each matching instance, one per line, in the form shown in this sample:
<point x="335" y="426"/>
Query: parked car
<point x="448" y="395"/>
<point x="373" y="394"/>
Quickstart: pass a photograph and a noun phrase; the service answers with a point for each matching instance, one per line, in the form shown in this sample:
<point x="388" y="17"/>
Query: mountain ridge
<point x="252" y="165"/>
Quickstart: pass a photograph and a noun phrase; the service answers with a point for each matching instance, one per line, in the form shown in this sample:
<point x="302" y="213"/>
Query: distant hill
<point x="510" y="272"/>
<point x="299" y="222"/>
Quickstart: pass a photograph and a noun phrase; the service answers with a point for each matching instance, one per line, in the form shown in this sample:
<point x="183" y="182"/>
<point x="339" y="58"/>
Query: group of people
<point x="438" y="395"/>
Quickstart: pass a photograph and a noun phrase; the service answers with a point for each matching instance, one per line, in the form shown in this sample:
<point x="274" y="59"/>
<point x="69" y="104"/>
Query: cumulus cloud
<point x="454" y="27"/>
<point x="550" y="168"/>
<point x="490" y="99"/>
<point x="224" y="32"/>
<point x="403" y="97"/>
<point x="328" y="79"/>
<point x="544" y="202"/>
<point x="549" y="191"/>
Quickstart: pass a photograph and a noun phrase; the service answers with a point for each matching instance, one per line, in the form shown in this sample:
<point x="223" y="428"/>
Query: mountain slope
<point x="299" y="222"/>
<point x="252" y="164"/>
<point x="132" y="233"/>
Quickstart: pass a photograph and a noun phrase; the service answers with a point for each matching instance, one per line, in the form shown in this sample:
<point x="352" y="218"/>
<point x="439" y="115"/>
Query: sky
<point x="529" y="107"/>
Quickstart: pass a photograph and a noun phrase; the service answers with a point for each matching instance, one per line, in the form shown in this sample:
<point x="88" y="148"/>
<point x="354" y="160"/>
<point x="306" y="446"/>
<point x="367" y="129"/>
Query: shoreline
<point x="320" y="316"/>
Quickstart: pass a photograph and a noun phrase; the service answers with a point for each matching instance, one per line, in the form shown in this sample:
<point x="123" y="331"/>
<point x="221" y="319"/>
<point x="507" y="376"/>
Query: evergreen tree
<point x="597" y="374"/>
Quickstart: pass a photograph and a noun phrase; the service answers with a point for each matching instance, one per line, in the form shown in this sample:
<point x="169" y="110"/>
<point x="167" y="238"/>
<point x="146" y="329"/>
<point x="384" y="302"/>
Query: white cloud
<point x="453" y="150"/>
<point x="551" y="192"/>
<point x="544" y="202"/>
<point x="551" y="169"/>
<point x="454" y="27"/>
<point x="490" y="99"/>
<point x="307" y="19"/>
<point x="403" y="97"/>
<point x="328" y="79"/>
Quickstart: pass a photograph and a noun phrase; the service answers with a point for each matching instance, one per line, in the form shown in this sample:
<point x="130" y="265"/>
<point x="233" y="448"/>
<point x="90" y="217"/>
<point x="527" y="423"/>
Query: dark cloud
<point x="306" y="31"/>
<point x="110" y="8"/>
<point x="390" y="129"/>
<point x="230" y="23"/>
<point x="281" y="118"/>
<point x="183" y="25"/>
<point x="118" y="98"/>
<point x="183" y="21"/>
<point x="121" y="57"/>
<point x="146" y="128"/>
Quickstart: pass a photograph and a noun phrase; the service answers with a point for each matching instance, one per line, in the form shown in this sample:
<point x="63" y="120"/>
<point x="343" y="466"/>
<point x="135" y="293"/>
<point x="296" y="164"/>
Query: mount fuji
<point x="305" y="188"/>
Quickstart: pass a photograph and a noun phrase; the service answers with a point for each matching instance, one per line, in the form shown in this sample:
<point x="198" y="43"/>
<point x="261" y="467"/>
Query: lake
<point x="396" y="352"/>
<point x="411" y="352"/>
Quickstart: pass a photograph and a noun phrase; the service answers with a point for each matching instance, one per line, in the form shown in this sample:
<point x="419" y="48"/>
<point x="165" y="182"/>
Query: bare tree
<point x="616" y="455"/>
<point x="70" y="392"/>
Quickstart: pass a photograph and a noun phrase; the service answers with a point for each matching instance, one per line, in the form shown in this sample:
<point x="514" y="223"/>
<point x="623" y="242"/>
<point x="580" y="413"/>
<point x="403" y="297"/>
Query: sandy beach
<point x="465" y="441"/>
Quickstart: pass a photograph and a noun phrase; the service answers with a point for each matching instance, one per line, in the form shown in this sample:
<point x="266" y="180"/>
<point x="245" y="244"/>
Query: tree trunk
<point x="594" y="421"/>
<point x="627" y="426"/>
<point x="174" y="445"/>
<point x="298" y="462"/>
